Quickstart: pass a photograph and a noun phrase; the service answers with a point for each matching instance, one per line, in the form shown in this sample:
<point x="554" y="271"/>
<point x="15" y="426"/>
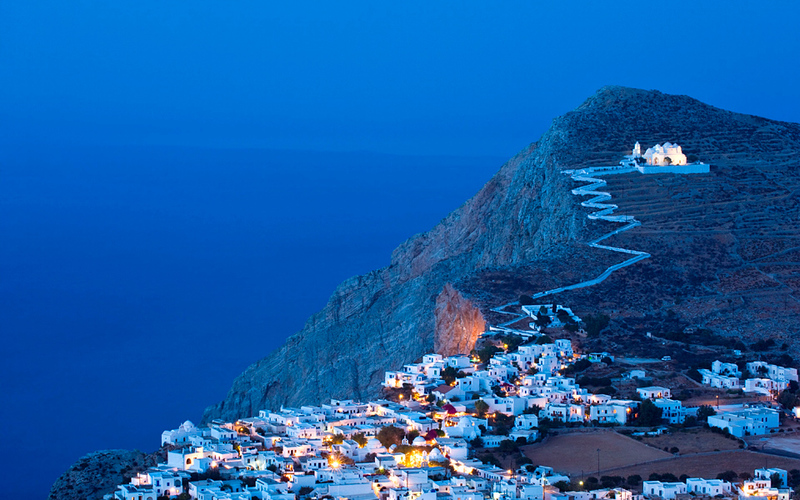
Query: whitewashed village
<point x="482" y="425"/>
<point x="421" y="442"/>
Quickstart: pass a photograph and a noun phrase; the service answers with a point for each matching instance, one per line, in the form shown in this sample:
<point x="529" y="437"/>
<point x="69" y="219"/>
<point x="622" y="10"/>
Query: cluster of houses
<point x="765" y="378"/>
<point x="768" y="483"/>
<point x="333" y="450"/>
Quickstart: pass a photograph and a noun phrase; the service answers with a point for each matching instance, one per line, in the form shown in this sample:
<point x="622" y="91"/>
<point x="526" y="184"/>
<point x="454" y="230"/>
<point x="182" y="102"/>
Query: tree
<point x="449" y="375"/>
<point x="544" y="339"/>
<point x="649" y="414"/>
<point x="596" y="324"/>
<point x="481" y="407"/>
<point x="486" y="352"/>
<point x="361" y="439"/>
<point x="776" y="481"/>
<point x="634" y="480"/>
<point x="787" y="399"/>
<point x="525" y="300"/>
<point x="562" y="485"/>
<point x="390" y="435"/>
<point x="728" y="475"/>
<point x="704" y="412"/>
<point x="477" y="442"/>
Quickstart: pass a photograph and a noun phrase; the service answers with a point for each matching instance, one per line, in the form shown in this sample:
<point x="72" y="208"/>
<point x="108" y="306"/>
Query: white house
<point x="774" y="372"/>
<point x="666" y="491"/>
<point x="768" y="473"/>
<point x="526" y="421"/>
<point x="131" y="492"/>
<point x="635" y="374"/>
<point x="163" y="483"/>
<point x="710" y="487"/>
<point x="718" y="380"/>
<point x="672" y="411"/>
<point x="762" y="488"/>
<point x="654" y="392"/>
<point x="764" y="385"/>
<point x="612" y="412"/>
<point x="747" y="422"/>
<point x="729" y="369"/>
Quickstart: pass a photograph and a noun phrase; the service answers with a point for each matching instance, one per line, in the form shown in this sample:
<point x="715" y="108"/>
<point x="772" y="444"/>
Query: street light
<point x="598" y="463"/>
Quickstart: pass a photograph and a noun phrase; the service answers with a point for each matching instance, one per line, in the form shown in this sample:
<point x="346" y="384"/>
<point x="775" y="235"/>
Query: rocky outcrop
<point x="458" y="323"/>
<point x="524" y="217"/>
<point x="98" y="473"/>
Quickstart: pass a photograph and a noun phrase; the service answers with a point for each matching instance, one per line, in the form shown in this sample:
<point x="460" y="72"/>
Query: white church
<point x="663" y="158"/>
<point x="668" y="154"/>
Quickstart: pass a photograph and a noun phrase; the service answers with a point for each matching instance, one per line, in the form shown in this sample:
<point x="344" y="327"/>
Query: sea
<point x="136" y="282"/>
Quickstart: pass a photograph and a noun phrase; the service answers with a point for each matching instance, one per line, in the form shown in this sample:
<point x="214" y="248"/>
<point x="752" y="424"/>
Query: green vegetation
<point x="704" y="412"/>
<point x="390" y="435"/>
<point x="596" y="324"/>
<point x="361" y="439"/>
<point x="486" y="352"/>
<point x="649" y="414"/>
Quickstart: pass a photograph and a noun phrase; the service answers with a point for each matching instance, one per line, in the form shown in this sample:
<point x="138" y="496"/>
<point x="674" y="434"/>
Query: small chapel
<point x="661" y="155"/>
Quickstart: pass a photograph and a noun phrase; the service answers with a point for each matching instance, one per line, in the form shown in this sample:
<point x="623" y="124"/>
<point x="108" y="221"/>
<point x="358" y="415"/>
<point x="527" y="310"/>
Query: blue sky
<point x="404" y="77"/>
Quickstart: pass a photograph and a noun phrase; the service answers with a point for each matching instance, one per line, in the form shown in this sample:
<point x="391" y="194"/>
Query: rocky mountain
<point x="722" y="244"/>
<point x="99" y="473"/>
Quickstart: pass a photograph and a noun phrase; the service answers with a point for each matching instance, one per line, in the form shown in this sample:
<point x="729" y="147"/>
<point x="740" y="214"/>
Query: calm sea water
<point x="136" y="283"/>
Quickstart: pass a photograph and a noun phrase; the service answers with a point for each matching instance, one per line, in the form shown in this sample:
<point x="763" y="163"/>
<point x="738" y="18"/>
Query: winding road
<point x="604" y="212"/>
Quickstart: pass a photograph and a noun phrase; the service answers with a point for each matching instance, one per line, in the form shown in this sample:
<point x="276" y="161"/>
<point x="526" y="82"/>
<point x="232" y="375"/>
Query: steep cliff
<point x="524" y="230"/>
<point x="458" y="323"/>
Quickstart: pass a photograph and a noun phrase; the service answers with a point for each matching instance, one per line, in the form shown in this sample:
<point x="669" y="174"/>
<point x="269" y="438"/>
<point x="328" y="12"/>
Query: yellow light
<point x="335" y="464"/>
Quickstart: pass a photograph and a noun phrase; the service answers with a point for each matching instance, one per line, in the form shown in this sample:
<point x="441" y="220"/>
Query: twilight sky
<point x="404" y="77"/>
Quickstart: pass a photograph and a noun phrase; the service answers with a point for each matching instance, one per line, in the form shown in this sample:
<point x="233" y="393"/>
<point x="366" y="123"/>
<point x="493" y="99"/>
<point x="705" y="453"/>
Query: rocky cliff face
<point x="524" y="218"/>
<point x="98" y="473"/>
<point x="458" y="323"/>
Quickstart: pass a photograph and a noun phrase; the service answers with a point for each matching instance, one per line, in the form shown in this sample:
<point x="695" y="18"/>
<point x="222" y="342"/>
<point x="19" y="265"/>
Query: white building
<point x="762" y="489"/>
<point x="774" y="372"/>
<point x="729" y="369"/>
<point x="612" y="412"/>
<point x="668" y="154"/>
<point x="747" y="422"/>
<point x="764" y="385"/>
<point x="672" y="411"/>
<point x="131" y="492"/>
<point x="768" y="473"/>
<point x="163" y="483"/>
<point x="718" y="380"/>
<point x="710" y="487"/>
<point x="181" y="435"/>
<point x="666" y="491"/>
<point x="654" y="392"/>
